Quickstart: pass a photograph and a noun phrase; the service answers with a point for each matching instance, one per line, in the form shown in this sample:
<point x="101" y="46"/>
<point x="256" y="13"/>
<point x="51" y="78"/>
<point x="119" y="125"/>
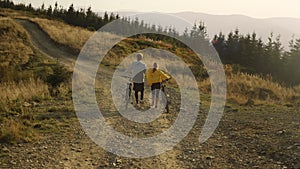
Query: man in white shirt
<point x="137" y="70"/>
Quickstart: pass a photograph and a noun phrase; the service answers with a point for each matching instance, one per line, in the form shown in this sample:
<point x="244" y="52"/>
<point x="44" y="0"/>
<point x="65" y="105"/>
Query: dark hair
<point x="154" y="67"/>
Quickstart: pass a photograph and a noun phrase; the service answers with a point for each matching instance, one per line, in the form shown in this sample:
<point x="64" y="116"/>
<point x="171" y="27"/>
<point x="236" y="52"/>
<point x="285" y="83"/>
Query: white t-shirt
<point x="137" y="70"/>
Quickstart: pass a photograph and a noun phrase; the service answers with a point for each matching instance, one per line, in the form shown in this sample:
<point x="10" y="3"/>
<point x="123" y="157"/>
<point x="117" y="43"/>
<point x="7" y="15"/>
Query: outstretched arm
<point x="164" y="76"/>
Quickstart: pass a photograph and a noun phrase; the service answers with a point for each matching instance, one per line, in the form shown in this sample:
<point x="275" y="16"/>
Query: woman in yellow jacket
<point x="154" y="78"/>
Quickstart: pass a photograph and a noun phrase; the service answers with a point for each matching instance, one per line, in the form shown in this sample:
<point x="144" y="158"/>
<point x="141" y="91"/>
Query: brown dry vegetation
<point x="14" y="44"/>
<point x="241" y="86"/>
<point x="24" y="90"/>
<point x="15" y="131"/>
<point x="249" y="89"/>
<point x="15" y="84"/>
<point x="15" y="51"/>
<point x="246" y="137"/>
<point x="74" y="37"/>
<point x="26" y="78"/>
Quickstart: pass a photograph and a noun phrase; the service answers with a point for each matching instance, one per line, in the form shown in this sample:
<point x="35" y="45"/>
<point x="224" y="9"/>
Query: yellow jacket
<point x="156" y="77"/>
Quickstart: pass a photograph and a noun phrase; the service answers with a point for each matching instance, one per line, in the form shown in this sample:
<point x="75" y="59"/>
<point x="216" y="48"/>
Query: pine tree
<point x="55" y="10"/>
<point x="293" y="62"/>
<point x="49" y="11"/>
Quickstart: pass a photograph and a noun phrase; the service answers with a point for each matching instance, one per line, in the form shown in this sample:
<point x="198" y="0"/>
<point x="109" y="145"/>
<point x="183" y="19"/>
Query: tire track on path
<point x="42" y="42"/>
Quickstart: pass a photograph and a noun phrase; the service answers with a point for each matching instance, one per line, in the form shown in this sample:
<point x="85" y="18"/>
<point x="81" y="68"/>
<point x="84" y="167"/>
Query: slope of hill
<point x="14" y="44"/>
<point x="276" y="92"/>
<point x="244" y="139"/>
<point x="64" y="34"/>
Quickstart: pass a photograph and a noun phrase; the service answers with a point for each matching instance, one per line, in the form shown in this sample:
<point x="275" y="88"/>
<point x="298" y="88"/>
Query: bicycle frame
<point x="128" y="94"/>
<point x="128" y="91"/>
<point x="163" y="89"/>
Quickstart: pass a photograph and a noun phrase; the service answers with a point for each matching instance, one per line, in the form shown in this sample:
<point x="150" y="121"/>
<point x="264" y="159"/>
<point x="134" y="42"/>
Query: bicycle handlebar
<point x="125" y="76"/>
<point x="165" y="80"/>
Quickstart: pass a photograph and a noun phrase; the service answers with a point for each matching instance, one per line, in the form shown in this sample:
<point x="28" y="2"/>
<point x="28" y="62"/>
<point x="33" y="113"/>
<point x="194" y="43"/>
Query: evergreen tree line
<point x="246" y="52"/>
<point x="250" y="54"/>
<point x="89" y="19"/>
<point x="81" y="17"/>
<point x="197" y="37"/>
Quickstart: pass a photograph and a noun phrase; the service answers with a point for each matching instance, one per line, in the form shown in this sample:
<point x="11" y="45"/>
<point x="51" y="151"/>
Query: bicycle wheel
<point x="163" y="86"/>
<point x="127" y="95"/>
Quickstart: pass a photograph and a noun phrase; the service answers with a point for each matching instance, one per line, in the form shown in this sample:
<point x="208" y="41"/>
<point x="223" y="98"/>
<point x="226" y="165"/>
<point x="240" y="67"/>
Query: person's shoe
<point x="141" y="102"/>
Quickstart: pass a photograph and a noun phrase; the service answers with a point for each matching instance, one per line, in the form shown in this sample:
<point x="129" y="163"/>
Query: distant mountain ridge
<point x="286" y="27"/>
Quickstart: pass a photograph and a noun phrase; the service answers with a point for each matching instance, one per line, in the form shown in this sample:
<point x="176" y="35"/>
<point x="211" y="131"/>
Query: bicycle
<point x="128" y="92"/>
<point x="163" y="89"/>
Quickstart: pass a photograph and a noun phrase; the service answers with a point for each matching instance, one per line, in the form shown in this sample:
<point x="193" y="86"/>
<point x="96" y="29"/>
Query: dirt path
<point x="72" y="148"/>
<point x="46" y="45"/>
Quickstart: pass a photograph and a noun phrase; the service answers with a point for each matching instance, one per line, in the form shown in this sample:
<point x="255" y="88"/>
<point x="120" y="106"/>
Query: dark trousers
<point x="136" y="94"/>
<point x="138" y="87"/>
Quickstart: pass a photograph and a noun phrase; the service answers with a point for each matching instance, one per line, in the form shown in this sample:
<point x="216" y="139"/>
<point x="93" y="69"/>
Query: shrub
<point x="59" y="75"/>
<point x="15" y="131"/>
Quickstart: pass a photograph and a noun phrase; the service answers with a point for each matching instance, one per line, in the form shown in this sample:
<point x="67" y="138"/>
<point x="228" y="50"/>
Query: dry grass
<point x="247" y="86"/>
<point x="16" y="118"/>
<point x="60" y="32"/>
<point x="11" y="13"/>
<point x="17" y="84"/>
<point x="13" y="131"/>
<point x="24" y="90"/>
<point x="15" y="50"/>
<point x="14" y="44"/>
<point x="74" y="37"/>
<point x="243" y="87"/>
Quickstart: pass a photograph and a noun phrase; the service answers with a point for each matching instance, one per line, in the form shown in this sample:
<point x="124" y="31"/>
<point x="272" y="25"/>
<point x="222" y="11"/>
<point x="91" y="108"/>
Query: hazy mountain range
<point x="285" y="27"/>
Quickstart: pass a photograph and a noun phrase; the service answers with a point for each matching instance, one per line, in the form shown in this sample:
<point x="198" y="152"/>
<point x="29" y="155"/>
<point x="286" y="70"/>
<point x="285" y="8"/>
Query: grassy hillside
<point x="15" y="48"/>
<point x="16" y="56"/>
<point x="259" y="127"/>
<point x="247" y="89"/>
<point x="74" y="37"/>
<point x="242" y="87"/>
<point x="25" y="80"/>
<point x="17" y="51"/>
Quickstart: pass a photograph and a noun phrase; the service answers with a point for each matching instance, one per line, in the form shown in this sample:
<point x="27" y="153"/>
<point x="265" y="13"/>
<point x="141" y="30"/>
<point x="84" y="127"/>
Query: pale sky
<point x="252" y="8"/>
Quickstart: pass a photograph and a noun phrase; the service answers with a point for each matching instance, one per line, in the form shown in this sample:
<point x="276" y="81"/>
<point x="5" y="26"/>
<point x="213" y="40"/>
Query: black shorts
<point x="138" y="87"/>
<point x="155" y="86"/>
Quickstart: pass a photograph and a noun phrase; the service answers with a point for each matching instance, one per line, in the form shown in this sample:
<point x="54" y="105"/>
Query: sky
<point x="252" y="8"/>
